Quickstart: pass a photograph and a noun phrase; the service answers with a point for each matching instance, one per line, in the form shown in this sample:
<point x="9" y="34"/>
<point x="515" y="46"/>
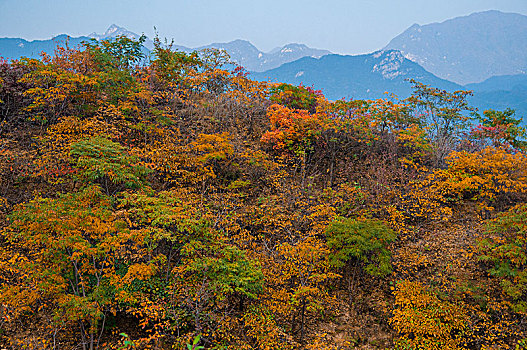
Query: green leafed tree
<point x="504" y="249"/>
<point x="101" y="160"/>
<point x="363" y="241"/>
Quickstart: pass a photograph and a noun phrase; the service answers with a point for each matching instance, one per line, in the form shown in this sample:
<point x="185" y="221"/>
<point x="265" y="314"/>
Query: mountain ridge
<point x="241" y="51"/>
<point x="114" y="31"/>
<point x="370" y="76"/>
<point x="291" y="63"/>
<point x="365" y="76"/>
<point x="15" y="48"/>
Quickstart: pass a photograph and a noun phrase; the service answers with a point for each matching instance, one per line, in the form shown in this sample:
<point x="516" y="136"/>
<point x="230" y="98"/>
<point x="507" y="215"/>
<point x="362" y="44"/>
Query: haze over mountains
<point x="241" y="51"/>
<point x="485" y="52"/>
<point x="360" y="77"/>
<point x="248" y="56"/>
<point x="15" y="48"/>
<point x="468" y="49"/>
<point x="114" y="31"/>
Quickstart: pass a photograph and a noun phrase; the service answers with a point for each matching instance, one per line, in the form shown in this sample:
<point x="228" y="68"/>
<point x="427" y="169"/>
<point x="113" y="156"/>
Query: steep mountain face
<point x="360" y="77"/>
<point x="14" y="48"/>
<point x="468" y="49"/>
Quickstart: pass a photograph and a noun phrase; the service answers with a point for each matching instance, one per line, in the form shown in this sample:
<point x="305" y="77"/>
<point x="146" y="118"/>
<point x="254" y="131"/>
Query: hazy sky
<point x="342" y="26"/>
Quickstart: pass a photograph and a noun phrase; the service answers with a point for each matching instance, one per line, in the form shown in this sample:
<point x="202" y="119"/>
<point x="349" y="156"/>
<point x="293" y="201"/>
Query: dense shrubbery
<point x="177" y="203"/>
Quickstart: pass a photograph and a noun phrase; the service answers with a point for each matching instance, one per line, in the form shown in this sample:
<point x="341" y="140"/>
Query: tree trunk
<point x="302" y="320"/>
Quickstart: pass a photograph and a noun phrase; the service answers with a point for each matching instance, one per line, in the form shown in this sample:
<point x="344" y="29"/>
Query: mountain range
<point x="241" y="51"/>
<point x="372" y="76"/>
<point x="484" y="52"/>
<point x="247" y="55"/>
<point x="366" y="76"/>
<point x="15" y="48"/>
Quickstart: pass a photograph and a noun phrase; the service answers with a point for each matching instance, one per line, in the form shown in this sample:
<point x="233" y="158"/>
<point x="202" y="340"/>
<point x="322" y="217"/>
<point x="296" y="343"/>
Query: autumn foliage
<point x="171" y="202"/>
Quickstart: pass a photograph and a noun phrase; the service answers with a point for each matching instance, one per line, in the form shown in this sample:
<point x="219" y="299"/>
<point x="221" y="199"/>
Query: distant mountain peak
<point x="468" y="49"/>
<point x="359" y="76"/>
<point x="238" y="44"/>
<point x="388" y="54"/>
<point x="244" y="53"/>
<point x="296" y="45"/>
<point x="114" y="31"/>
<point x="60" y="37"/>
<point x="286" y="49"/>
<point x="113" y="28"/>
<point x="298" y="51"/>
<point x="241" y="41"/>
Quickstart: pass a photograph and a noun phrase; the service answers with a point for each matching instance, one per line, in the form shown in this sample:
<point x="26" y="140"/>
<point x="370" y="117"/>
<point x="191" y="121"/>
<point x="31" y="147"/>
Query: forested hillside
<point x="182" y="206"/>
